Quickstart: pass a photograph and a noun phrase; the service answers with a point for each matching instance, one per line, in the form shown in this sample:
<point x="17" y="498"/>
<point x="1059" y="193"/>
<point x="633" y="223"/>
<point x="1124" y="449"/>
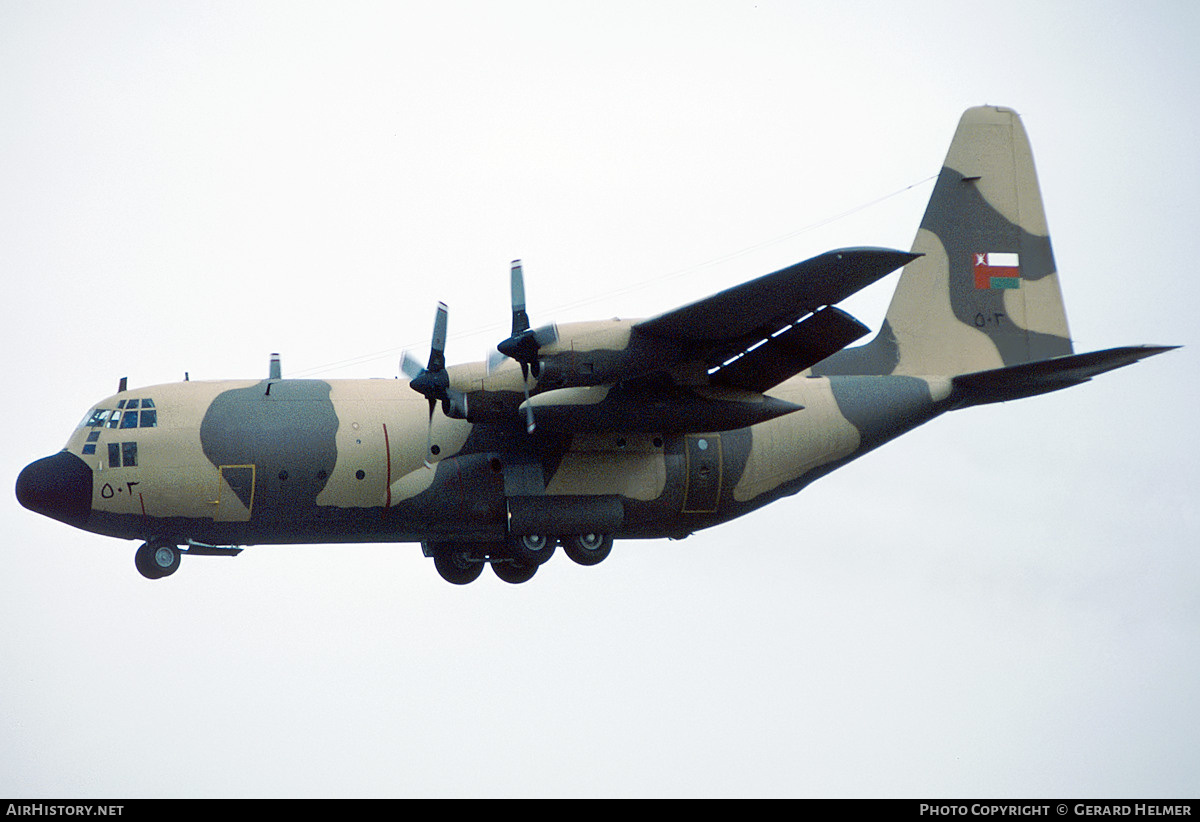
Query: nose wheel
<point x="157" y="559"/>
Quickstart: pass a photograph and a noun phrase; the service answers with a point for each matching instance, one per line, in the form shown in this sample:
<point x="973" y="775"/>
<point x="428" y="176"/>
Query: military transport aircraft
<point x="580" y="433"/>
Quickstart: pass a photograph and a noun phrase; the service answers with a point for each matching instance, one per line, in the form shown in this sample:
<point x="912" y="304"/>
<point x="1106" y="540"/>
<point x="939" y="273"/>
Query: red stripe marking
<point x="387" y="447"/>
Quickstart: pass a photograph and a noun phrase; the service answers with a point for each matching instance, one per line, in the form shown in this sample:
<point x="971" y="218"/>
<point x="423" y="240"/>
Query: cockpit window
<point x="137" y="413"/>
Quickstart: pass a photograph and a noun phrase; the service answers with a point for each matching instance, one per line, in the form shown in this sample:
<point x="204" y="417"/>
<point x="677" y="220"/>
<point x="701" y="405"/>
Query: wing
<point x="702" y="367"/>
<point x="755" y="335"/>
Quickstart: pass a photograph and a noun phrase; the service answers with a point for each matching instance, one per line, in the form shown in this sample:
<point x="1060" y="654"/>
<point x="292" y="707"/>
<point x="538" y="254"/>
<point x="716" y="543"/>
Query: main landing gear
<point x="516" y="560"/>
<point x="160" y="557"/>
<point x="587" y="549"/>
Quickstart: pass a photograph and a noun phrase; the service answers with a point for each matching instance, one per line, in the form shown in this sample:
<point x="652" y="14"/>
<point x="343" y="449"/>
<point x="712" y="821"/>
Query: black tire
<point x="456" y="563"/>
<point x="531" y="549"/>
<point x="513" y="572"/>
<point x="587" y="549"/>
<point x="142" y="559"/>
<point x="157" y="559"/>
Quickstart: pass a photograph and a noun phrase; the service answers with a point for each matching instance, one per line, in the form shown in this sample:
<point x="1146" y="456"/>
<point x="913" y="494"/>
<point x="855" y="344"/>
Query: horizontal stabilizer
<point x="765" y="304"/>
<point x="1030" y="379"/>
<point x="790" y="351"/>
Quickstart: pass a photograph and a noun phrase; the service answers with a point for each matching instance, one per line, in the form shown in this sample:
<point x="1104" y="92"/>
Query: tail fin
<point x="985" y="293"/>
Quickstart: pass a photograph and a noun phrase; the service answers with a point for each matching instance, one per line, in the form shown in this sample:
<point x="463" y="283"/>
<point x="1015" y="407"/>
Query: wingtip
<point x="884" y="256"/>
<point x="1154" y="350"/>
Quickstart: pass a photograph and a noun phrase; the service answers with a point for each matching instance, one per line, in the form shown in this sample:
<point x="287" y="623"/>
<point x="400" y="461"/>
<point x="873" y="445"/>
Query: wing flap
<point x="790" y="351"/>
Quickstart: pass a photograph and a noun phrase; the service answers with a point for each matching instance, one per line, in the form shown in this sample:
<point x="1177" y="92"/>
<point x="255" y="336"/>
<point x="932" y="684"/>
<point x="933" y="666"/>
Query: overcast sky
<point x="1002" y="603"/>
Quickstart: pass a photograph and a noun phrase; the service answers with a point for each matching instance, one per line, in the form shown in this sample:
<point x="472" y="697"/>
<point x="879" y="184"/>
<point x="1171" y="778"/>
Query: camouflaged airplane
<point x="582" y="433"/>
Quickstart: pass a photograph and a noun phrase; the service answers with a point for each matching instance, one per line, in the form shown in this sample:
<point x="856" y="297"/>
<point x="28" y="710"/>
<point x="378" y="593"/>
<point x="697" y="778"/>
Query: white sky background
<point x="1002" y="603"/>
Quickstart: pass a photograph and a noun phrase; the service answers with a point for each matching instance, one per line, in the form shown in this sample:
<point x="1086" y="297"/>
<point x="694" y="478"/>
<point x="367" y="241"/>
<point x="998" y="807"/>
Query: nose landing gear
<point x="157" y="559"/>
<point x="160" y="557"/>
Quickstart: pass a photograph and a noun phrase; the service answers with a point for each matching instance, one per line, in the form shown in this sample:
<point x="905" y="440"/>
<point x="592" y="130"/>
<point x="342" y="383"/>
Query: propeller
<point x="522" y="345"/>
<point x="432" y="381"/>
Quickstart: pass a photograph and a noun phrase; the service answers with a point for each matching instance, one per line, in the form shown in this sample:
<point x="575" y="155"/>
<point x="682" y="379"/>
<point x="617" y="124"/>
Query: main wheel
<point x="587" y="549"/>
<point x="531" y="549"/>
<point x="456" y="563"/>
<point x="157" y="559"/>
<point x="513" y="572"/>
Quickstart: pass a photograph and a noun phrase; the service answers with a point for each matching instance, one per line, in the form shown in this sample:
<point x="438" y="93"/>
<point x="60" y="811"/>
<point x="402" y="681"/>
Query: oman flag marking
<point x="997" y="270"/>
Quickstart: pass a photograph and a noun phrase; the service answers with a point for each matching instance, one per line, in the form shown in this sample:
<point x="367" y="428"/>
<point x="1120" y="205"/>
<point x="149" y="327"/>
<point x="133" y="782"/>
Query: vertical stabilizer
<point x="985" y="293"/>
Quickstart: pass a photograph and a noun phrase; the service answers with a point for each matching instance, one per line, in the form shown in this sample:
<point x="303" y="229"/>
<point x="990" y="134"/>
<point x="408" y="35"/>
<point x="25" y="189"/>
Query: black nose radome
<point x="59" y="487"/>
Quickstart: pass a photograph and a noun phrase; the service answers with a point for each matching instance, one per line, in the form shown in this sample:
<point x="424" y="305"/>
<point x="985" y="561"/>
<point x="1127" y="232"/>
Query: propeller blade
<point x="529" y="426"/>
<point x="432" y="381"/>
<point x="429" y="433"/>
<point x="494" y="360"/>
<point x="520" y="318"/>
<point x="522" y="345"/>
<point x="437" y="350"/>
<point x="410" y="366"/>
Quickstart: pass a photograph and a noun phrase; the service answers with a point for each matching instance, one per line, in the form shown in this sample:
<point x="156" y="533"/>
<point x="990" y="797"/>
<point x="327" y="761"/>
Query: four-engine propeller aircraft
<point x="578" y="434"/>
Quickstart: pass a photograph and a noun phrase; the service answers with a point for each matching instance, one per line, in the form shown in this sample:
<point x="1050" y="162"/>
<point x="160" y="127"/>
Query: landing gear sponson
<point x="514" y="561"/>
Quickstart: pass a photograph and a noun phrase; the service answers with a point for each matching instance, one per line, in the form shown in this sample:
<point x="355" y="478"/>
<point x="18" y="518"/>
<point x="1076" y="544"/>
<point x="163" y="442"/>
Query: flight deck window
<point x="114" y="455"/>
<point x="129" y="454"/>
<point x="139" y="413"/>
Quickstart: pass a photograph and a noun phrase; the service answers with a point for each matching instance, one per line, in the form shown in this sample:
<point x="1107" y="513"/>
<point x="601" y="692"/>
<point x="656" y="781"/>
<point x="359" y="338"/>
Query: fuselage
<point x="586" y="432"/>
<point x="312" y="461"/>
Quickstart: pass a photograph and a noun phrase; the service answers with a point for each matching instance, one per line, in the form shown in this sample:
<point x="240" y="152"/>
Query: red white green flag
<point x="997" y="270"/>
